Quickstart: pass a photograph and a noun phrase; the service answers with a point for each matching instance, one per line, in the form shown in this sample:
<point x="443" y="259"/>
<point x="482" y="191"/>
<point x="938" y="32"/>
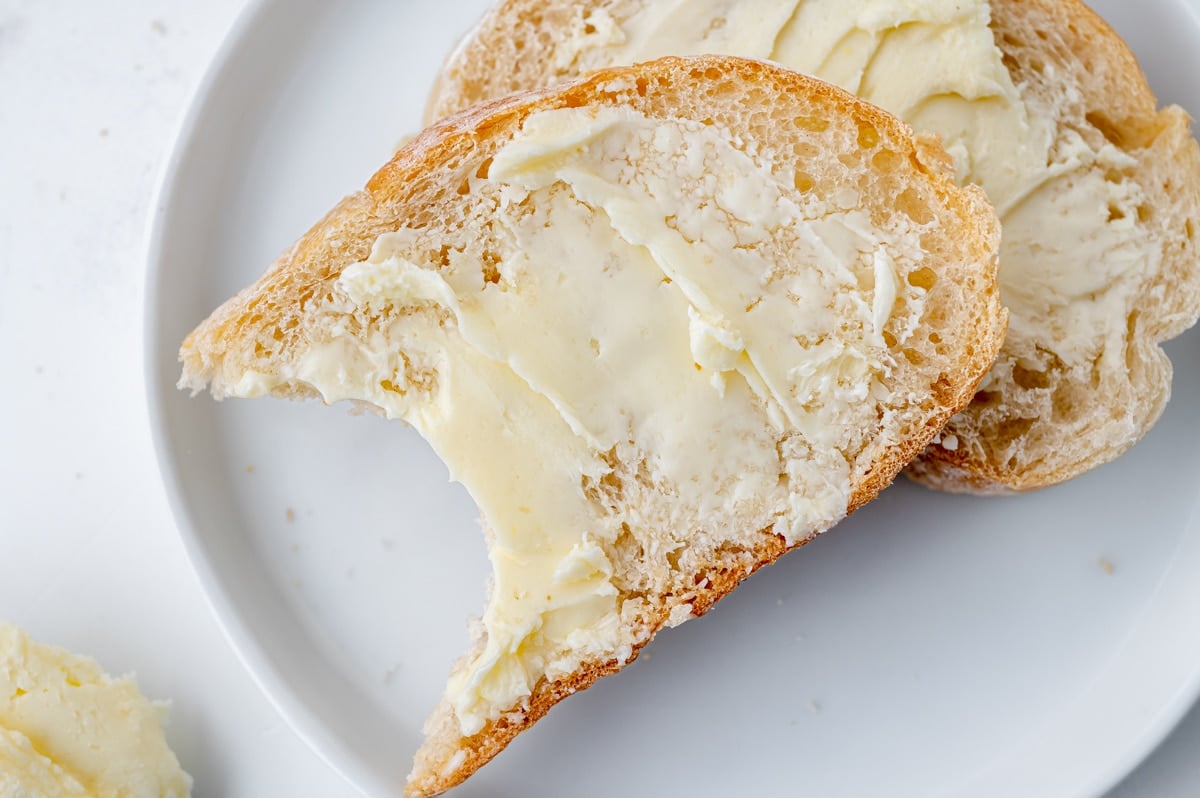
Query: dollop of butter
<point x="636" y="315"/>
<point x="67" y="729"/>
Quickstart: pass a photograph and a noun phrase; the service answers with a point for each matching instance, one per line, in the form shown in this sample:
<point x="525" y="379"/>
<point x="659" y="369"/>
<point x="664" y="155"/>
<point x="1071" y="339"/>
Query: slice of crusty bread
<point x="1039" y="418"/>
<point x="827" y="152"/>
<point x="1047" y="412"/>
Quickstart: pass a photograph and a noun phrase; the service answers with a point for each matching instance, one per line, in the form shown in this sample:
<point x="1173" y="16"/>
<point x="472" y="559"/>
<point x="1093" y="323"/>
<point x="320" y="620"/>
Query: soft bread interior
<point x="1042" y="105"/>
<point x="664" y="323"/>
<point x="1098" y="267"/>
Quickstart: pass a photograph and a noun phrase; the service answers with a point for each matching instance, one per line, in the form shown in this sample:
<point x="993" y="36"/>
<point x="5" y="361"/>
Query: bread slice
<point x="1082" y="376"/>
<point x="665" y="323"/>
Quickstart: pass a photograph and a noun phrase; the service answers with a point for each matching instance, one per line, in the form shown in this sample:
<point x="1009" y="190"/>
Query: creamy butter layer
<point x="660" y="299"/>
<point x="67" y="729"/>
<point x="1071" y="253"/>
<point x="24" y="771"/>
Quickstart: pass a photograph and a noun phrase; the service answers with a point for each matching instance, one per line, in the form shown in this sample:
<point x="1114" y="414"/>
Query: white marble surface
<point x="90" y="96"/>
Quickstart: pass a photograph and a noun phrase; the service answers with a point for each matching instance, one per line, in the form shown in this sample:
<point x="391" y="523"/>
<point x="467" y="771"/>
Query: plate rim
<point x="289" y="702"/>
<point x="231" y="621"/>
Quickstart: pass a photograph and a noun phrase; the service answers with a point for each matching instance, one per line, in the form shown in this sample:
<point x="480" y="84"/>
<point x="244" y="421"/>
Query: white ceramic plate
<point x="932" y="645"/>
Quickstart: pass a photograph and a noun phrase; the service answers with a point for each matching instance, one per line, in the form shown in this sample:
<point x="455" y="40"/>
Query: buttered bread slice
<point x="1041" y="104"/>
<point x="664" y="324"/>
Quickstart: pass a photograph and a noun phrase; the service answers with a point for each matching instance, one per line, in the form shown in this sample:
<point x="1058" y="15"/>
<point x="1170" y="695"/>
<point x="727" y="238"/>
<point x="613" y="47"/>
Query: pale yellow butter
<point x="1068" y="271"/>
<point x="67" y="729"/>
<point x="638" y="318"/>
<point x="27" y="773"/>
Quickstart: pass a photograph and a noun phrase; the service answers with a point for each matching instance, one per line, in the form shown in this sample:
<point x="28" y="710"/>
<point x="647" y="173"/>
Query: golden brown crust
<point x="504" y="54"/>
<point x="721" y="579"/>
<point x="263" y="325"/>
<point x="399" y="188"/>
<point x="484" y="746"/>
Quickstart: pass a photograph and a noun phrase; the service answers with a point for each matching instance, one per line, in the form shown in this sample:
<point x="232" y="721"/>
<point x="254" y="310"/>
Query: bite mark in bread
<point x="816" y="302"/>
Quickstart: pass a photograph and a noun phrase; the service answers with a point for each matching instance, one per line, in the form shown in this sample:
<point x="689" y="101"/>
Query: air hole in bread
<point x="914" y="207"/>
<point x="986" y="398"/>
<point x="1011" y="431"/>
<point x="1107" y="128"/>
<point x="868" y="136"/>
<point x="924" y="278"/>
<point x="1115" y="214"/>
<point x="1189" y="229"/>
<point x="804" y="182"/>
<point x="587" y="485"/>
<point x="814" y="124"/>
<point x="673" y="560"/>
<point x="424" y="380"/>
<point x="1114" y="176"/>
<point x="627" y="545"/>
<point x="1145" y="213"/>
<point x="757" y="98"/>
<point x="943" y="389"/>
<point x="887" y="161"/>
<point x="1030" y="379"/>
<point x="1132" y="335"/>
<point x="612" y="483"/>
<point x="931" y="240"/>
<point x="889" y="340"/>
<point x="1069" y="402"/>
<point x="807" y="151"/>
